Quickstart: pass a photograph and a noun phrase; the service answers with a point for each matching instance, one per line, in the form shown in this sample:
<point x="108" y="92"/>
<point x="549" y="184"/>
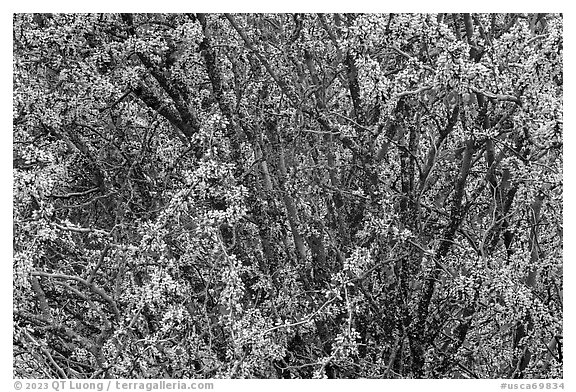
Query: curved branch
<point x="90" y="285"/>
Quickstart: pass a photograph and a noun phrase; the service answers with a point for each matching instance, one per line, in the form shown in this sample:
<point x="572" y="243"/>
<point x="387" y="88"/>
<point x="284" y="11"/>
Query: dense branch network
<point x="288" y="195"/>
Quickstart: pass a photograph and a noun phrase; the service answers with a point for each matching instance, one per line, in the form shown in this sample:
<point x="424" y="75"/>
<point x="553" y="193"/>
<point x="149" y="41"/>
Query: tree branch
<point x="90" y="285"/>
<point x="281" y="83"/>
<point x="498" y="97"/>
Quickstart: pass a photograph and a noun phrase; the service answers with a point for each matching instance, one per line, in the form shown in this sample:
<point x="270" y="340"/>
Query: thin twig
<point x="82" y="229"/>
<point x="413" y="92"/>
<point x="408" y="56"/>
<point x="75" y="194"/>
<point x="303" y="321"/>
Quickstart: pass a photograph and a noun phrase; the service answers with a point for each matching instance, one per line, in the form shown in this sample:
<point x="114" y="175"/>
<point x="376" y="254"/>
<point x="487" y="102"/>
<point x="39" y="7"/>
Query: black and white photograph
<point x="201" y="196"/>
